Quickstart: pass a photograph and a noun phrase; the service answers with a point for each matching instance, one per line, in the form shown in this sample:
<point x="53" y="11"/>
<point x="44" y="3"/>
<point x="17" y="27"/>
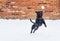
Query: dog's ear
<point x="36" y="12"/>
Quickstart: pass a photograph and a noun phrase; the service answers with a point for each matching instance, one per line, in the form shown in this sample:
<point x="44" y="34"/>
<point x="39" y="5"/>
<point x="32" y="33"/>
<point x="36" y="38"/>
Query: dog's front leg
<point x="44" y="23"/>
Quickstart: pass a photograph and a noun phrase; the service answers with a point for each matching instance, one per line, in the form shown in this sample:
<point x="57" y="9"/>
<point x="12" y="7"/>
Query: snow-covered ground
<point x="19" y="30"/>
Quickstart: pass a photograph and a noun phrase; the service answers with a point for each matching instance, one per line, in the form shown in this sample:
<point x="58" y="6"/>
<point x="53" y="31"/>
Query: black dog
<point x="39" y="21"/>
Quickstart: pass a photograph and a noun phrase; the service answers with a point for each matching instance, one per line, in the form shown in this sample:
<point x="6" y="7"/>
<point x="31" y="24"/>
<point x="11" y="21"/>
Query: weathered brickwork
<point x="25" y="9"/>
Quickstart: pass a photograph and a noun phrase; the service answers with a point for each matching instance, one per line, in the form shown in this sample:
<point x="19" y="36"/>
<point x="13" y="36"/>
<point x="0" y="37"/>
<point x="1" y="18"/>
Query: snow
<point x="19" y="30"/>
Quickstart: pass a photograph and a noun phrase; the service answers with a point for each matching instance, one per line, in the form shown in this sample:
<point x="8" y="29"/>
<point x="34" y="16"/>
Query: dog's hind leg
<point x="35" y="29"/>
<point x="32" y="28"/>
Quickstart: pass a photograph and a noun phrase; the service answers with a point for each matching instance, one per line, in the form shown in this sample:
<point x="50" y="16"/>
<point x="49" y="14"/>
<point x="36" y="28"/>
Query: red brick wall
<point x="25" y="9"/>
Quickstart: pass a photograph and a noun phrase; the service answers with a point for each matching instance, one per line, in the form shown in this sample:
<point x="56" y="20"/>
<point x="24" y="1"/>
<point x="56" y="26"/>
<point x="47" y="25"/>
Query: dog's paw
<point x="45" y="26"/>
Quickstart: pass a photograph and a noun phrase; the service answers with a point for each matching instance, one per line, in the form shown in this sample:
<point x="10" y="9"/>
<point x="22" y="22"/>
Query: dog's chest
<point x="39" y="21"/>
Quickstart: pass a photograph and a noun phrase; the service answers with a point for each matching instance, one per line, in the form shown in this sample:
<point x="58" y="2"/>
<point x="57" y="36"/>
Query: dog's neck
<point x="39" y="18"/>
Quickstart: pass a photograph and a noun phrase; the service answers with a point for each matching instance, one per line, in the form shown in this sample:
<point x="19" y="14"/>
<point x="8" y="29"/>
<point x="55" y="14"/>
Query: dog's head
<point x="39" y="14"/>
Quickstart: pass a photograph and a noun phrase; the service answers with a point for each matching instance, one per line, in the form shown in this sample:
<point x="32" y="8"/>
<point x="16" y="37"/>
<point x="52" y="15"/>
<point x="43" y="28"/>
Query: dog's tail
<point x="31" y="21"/>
